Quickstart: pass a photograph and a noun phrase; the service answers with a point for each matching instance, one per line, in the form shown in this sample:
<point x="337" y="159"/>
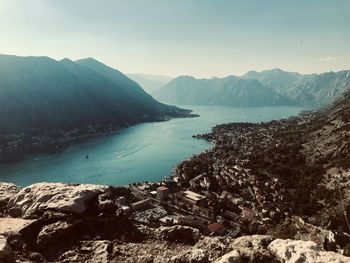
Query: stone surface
<point x="155" y="249"/>
<point x="39" y="197"/>
<point x="53" y="233"/>
<point x="178" y="234"/>
<point x="100" y="250"/>
<point x="295" y="251"/>
<point x="253" y="248"/>
<point x="195" y="255"/>
<point x="13" y="225"/>
<point x="232" y="257"/>
<point x="7" y="191"/>
<point x="6" y="254"/>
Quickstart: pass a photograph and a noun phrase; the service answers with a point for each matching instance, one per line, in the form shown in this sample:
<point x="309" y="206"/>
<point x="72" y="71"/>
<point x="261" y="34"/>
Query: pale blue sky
<point x="177" y="37"/>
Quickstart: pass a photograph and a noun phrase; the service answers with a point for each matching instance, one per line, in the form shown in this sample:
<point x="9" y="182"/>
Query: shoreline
<point x="17" y="146"/>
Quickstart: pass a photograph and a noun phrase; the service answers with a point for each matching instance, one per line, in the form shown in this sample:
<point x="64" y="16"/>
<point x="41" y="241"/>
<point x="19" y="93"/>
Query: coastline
<point x="15" y="147"/>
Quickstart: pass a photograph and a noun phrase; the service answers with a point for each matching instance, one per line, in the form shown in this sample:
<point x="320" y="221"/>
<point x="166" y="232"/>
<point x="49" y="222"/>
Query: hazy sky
<point x="177" y="37"/>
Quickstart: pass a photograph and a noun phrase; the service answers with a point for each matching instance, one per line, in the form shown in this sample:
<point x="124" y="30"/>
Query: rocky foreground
<point x="54" y="222"/>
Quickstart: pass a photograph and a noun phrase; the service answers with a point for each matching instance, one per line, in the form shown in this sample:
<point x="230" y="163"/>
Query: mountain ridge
<point x="307" y="90"/>
<point x="228" y="91"/>
<point x="40" y="92"/>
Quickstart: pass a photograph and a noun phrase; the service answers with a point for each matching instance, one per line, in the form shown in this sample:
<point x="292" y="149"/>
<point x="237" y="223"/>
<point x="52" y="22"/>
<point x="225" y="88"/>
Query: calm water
<point x="145" y="152"/>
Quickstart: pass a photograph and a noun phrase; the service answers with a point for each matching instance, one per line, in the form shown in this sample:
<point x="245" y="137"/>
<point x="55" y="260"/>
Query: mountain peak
<point x="185" y="77"/>
<point x="66" y="60"/>
<point x="89" y="60"/>
<point x="251" y="72"/>
<point x="276" y="70"/>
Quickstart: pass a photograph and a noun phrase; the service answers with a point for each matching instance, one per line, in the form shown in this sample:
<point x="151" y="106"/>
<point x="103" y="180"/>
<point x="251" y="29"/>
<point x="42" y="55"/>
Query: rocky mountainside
<point x="306" y="90"/>
<point x="150" y="82"/>
<point x="229" y="91"/>
<point x="42" y="93"/>
<point x="274" y="78"/>
<point x="269" y="88"/>
<point x="53" y="222"/>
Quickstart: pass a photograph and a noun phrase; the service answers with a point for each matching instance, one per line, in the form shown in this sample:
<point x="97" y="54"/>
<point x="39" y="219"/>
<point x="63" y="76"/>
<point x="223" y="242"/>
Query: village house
<point x="193" y="198"/>
<point x="162" y="193"/>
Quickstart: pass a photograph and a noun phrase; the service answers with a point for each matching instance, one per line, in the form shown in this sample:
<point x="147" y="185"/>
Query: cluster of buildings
<point x="166" y="203"/>
<point x="244" y="198"/>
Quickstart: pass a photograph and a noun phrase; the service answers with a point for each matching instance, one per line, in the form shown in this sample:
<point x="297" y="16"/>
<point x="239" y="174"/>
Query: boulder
<point x="7" y="191"/>
<point x="207" y="249"/>
<point x="178" y="234"/>
<point x="100" y="250"/>
<point x="54" y="234"/>
<point x="106" y="204"/>
<point x="231" y="257"/>
<point x="31" y="201"/>
<point x="194" y="255"/>
<point x="6" y="254"/>
<point x="292" y="251"/>
<point x="253" y="248"/>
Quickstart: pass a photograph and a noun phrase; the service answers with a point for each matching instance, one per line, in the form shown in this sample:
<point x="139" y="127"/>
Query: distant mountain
<point x="229" y="91"/>
<point x="274" y="78"/>
<point x="318" y="90"/>
<point x="150" y="82"/>
<point x="306" y="90"/>
<point x="39" y="92"/>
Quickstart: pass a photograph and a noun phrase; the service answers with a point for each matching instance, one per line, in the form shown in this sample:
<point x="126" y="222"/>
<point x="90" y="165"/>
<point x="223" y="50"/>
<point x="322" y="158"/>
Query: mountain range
<point x="40" y="92"/>
<point x="149" y="82"/>
<point x="229" y="91"/>
<point x="265" y="88"/>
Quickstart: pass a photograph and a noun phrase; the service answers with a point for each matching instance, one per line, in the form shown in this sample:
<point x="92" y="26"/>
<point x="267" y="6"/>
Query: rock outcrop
<point x="253" y="248"/>
<point x="54" y="233"/>
<point x="7" y="191"/>
<point x="32" y="200"/>
<point x="100" y="250"/>
<point x="83" y="223"/>
<point x="291" y="251"/>
<point x="268" y="249"/>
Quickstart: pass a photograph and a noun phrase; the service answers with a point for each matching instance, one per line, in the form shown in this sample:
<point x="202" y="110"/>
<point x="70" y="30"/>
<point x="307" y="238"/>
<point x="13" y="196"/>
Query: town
<point x="217" y="191"/>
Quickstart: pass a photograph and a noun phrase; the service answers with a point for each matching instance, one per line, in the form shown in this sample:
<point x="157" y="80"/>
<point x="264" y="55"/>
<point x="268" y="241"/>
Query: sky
<point x="203" y="38"/>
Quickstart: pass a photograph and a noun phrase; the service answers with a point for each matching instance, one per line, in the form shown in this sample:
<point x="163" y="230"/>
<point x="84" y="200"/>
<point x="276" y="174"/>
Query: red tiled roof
<point x="215" y="227"/>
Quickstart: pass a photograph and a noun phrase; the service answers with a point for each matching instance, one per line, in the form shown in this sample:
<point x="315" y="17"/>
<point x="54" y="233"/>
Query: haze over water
<point x="145" y="152"/>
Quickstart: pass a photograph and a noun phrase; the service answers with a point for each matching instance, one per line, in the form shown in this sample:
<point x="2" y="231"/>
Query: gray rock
<point x="53" y="233"/>
<point x="7" y="191"/>
<point x="253" y="248"/>
<point x="6" y="254"/>
<point x="100" y="250"/>
<point x="179" y="234"/>
<point x="39" y="197"/>
<point x="232" y="257"/>
<point x="194" y="255"/>
<point x="293" y="251"/>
